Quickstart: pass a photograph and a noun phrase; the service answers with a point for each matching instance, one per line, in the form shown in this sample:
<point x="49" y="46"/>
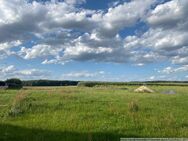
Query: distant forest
<point x="158" y="83"/>
<point x="49" y="83"/>
<point x="91" y="83"/>
<point x="98" y="83"/>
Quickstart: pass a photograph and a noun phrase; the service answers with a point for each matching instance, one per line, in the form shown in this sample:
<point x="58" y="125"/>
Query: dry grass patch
<point x="17" y="104"/>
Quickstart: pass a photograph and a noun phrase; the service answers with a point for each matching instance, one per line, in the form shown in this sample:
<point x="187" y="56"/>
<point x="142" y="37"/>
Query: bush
<point x="14" y="83"/>
<point x="133" y="106"/>
<point x="2" y="83"/>
<point x="87" y="84"/>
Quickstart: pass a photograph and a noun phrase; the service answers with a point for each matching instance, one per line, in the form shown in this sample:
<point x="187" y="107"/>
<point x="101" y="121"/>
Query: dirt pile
<point x="143" y="89"/>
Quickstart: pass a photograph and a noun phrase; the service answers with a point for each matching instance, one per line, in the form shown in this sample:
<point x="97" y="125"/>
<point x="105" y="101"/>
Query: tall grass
<point x="92" y="113"/>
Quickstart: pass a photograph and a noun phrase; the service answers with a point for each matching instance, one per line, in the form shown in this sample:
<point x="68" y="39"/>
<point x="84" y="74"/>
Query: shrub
<point x="18" y="105"/>
<point x="2" y="83"/>
<point x="133" y="106"/>
<point x="14" y="83"/>
<point x="87" y="84"/>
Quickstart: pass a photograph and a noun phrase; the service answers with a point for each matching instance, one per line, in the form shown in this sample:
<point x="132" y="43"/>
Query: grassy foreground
<point x="92" y="114"/>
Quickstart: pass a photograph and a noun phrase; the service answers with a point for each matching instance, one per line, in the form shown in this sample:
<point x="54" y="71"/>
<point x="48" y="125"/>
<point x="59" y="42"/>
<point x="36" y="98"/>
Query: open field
<point x="87" y="114"/>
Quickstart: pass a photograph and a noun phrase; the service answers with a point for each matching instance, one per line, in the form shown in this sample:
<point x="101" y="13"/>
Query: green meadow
<point x="103" y="113"/>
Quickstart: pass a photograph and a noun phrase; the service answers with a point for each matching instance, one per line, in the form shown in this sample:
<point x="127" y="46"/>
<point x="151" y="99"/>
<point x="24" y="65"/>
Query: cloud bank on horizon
<point x="70" y="39"/>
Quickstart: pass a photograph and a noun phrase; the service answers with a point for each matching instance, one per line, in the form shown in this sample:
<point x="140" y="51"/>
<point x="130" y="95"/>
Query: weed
<point x="133" y="106"/>
<point x="17" y="105"/>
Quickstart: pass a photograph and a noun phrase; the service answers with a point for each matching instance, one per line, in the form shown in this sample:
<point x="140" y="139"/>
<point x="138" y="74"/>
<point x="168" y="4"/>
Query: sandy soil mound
<point x="144" y="89"/>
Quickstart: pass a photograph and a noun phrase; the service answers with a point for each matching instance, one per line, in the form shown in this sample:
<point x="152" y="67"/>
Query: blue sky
<point x="107" y="40"/>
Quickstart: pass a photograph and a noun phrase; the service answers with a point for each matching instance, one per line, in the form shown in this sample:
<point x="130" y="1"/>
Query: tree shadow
<point x="16" y="133"/>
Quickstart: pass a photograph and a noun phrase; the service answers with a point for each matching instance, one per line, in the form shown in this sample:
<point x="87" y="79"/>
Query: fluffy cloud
<point x="7" y="69"/>
<point x="165" y="14"/>
<point x="173" y="73"/>
<point x="75" y="1"/>
<point x="67" y="32"/>
<point x="121" y="16"/>
<point x="7" y="45"/>
<point x="170" y="14"/>
<point x="83" y="75"/>
<point x="21" y="21"/>
<point x="170" y="32"/>
<point x="5" y="48"/>
<point x="152" y="77"/>
<point x="12" y="72"/>
<point x="167" y="35"/>
<point x="39" y="50"/>
<point x="169" y="70"/>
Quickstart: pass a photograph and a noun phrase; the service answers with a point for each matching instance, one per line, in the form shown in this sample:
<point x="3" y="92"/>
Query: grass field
<point x="92" y="114"/>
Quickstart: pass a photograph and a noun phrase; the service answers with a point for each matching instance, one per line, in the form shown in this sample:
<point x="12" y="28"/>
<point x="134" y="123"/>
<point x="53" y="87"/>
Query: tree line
<point x="158" y="83"/>
<point x="16" y="83"/>
<point x="49" y="83"/>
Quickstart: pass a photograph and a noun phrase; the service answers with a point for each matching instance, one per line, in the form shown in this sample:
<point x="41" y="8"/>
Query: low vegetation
<point x="100" y="113"/>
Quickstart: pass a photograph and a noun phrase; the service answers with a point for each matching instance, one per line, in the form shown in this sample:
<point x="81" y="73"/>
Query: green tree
<point x="14" y="83"/>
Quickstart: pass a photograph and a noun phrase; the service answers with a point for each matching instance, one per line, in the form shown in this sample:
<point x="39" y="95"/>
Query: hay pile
<point x="143" y="89"/>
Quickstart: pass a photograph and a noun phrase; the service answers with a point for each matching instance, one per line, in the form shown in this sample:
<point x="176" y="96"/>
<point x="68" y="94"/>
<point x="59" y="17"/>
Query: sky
<point x="94" y="40"/>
